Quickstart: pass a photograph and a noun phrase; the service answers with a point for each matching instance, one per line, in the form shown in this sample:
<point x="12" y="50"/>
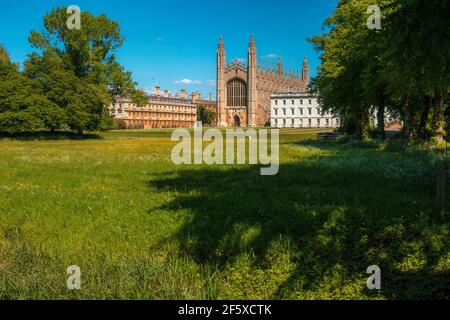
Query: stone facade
<point x="161" y="111"/>
<point x="243" y="91"/>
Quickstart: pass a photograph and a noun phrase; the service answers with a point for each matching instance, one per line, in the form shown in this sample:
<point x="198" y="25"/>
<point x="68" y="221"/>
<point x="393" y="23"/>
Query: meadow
<point x="140" y="227"/>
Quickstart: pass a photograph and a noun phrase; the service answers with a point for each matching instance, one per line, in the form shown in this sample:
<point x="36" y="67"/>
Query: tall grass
<point x="140" y="227"/>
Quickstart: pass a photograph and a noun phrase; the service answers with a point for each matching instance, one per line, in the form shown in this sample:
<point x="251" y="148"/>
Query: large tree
<point x="83" y="102"/>
<point x="78" y="69"/>
<point x="417" y="62"/>
<point x="402" y="67"/>
<point x="348" y="79"/>
<point x="205" y="115"/>
<point x="23" y="106"/>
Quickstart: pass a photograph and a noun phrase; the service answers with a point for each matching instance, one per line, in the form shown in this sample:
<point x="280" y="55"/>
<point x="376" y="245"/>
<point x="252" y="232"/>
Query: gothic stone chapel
<point x="243" y="91"/>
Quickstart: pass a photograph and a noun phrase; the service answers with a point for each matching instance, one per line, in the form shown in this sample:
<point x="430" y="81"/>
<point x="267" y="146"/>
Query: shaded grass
<point x="141" y="228"/>
<point x="46" y="135"/>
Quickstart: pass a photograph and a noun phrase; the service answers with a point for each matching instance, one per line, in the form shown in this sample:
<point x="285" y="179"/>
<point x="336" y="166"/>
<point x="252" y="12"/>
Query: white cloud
<point x="149" y="91"/>
<point x="187" y="81"/>
<point x="270" y="56"/>
<point x="211" y="83"/>
<point x="240" y="60"/>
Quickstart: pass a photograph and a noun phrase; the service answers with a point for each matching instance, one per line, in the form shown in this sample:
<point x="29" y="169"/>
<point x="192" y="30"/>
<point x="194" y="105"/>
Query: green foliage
<point x="204" y="115"/>
<point x="78" y="68"/>
<point x="19" y="121"/>
<point x="6" y="66"/>
<point x="107" y="122"/>
<point x="70" y="81"/>
<point x="23" y="107"/>
<point x="402" y="68"/>
<point x="139" y="97"/>
<point x="4" y="56"/>
<point x="89" y="52"/>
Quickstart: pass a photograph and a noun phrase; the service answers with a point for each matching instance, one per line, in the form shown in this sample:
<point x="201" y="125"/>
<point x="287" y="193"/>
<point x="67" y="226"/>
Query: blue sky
<point x="171" y="40"/>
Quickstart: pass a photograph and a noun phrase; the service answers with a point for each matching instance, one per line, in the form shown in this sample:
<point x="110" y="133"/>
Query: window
<point x="309" y="111"/>
<point x="318" y="110"/>
<point x="284" y="102"/>
<point x="292" y="111"/>
<point x="275" y="121"/>
<point x="301" y="101"/>
<point x="301" y="111"/>
<point x="327" y="121"/>
<point x="318" y="122"/>
<point x="236" y="93"/>
<point x="276" y="111"/>
<point x="293" y="102"/>
<point x="309" y="122"/>
<point x="276" y="102"/>
<point x="337" y="121"/>
<point x="284" y="122"/>
<point x="284" y="111"/>
<point x="309" y="101"/>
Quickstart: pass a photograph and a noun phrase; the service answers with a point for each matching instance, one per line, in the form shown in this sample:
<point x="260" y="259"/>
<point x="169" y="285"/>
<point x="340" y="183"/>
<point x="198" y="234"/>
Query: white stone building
<point x="299" y="110"/>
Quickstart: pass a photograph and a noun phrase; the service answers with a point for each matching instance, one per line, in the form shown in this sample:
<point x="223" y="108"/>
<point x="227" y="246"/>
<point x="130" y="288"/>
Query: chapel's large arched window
<point x="236" y="93"/>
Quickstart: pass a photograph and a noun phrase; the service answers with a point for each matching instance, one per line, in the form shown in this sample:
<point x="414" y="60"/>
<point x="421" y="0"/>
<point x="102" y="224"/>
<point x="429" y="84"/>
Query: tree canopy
<point x="4" y="56"/>
<point x="205" y="115"/>
<point x="69" y="81"/>
<point x="402" y="68"/>
<point x="24" y="107"/>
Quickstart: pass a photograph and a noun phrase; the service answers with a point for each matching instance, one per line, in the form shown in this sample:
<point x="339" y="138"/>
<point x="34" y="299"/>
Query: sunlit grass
<point x="140" y="227"/>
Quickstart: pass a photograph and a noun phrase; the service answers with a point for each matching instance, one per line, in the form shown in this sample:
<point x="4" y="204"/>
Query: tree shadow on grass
<point x="338" y="221"/>
<point x="47" y="135"/>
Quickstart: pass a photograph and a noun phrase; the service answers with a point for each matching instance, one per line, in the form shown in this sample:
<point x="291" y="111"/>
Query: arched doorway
<point x="236" y="121"/>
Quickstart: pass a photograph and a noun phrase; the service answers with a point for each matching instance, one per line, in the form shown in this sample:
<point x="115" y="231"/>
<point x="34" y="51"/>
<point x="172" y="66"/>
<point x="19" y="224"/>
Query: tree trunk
<point x="439" y="117"/>
<point x="363" y="126"/>
<point x="407" y="120"/>
<point x="424" y="117"/>
<point x="381" y="135"/>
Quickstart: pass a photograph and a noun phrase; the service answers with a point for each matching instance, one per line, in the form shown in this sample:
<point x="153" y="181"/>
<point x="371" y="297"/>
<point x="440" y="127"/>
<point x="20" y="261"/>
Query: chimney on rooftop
<point x="194" y="97"/>
<point x="210" y="97"/>
<point x="158" y="91"/>
<point x="183" y="93"/>
<point x="166" y="93"/>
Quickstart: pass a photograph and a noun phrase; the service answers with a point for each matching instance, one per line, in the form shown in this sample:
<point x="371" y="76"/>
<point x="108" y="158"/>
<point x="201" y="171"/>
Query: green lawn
<point x="140" y="227"/>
